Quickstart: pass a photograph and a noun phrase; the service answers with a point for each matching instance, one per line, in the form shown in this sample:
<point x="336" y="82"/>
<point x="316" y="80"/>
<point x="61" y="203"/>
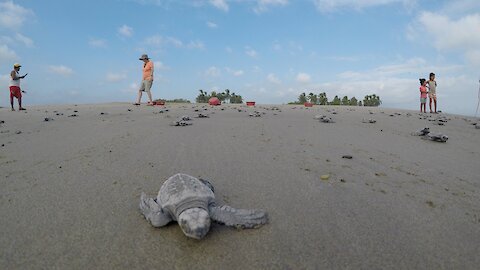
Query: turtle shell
<point x="181" y="192"/>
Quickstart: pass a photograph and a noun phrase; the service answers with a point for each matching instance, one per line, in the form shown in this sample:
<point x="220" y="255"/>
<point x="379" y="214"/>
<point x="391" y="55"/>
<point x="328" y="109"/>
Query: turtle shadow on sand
<point x="191" y="202"/>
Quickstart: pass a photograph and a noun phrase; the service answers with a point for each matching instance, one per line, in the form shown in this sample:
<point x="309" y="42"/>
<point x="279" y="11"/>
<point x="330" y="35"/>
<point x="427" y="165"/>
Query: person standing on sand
<point x="423" y="95"/>
<point x="432" y="91"/>
<point x="14" y="85"/>
<point x="147" y="80"/>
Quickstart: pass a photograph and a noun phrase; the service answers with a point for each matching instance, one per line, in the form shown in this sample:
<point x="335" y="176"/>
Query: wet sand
<point x="70" y="187"/>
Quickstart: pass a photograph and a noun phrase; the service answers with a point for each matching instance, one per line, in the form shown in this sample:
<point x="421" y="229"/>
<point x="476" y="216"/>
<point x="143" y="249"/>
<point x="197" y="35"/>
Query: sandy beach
<point x="70" y="187"/>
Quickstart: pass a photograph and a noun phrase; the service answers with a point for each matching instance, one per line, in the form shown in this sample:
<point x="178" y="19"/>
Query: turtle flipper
<point x="208" y="184"/>
<point x="239" y="218"/>
<point x="153" y="212"/>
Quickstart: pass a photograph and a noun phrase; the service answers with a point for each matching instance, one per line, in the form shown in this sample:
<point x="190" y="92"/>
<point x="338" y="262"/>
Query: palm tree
<point x="323" y="98"/>
<point x="353" y="101"/>
<point x="227" y="95"/>
<point x="312" y="98"/>
<point x="336" y="101"/>
<point x="302" y="98"/>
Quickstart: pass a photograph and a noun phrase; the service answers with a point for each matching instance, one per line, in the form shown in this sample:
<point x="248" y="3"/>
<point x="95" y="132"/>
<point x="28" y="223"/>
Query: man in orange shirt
<point x="147" y="80"/>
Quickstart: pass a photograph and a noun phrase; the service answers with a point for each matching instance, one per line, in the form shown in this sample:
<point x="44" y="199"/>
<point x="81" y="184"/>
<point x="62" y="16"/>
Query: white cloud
<point x="250" y="52"/>
<point x="160" y="41"/>
<point x="333" y="5"/>
<point x="462" y="35"/>
<point x="273" y="79"/>
<point x="263" y="5"/>
<point x="220" y="4"/>
<point x="212" y="25"/>
<point x="160" y="65"/>
<point x="195" y="45"/>
<point x="228" y="49"/>
<point x="13" y="16"/>
<point x="97" y="43"/>
<point x="256" y="69"/>
<point x="236" y="73"/>
<point x="125" y="30"/>
<point x="61" y="70"/>
<point x="115" y="77"/>
<point x="460" y="7"/>
<point x="303" y="78"/>
<point x="412" y="69"/>
<point x="25" y="40"/>
<point x="132" y="88"/>
<point x="212" y="72"/>
<point x="6" y="53"/>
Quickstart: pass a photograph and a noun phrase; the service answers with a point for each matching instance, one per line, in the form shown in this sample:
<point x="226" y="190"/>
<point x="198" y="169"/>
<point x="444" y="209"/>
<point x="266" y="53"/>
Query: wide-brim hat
<point x="143" y="57"/>
<point x="16" y="65"/>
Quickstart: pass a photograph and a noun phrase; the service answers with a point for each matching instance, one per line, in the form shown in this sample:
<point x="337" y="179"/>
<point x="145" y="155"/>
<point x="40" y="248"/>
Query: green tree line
<point x="321" y="99"/>
<point x="224" y="96"/>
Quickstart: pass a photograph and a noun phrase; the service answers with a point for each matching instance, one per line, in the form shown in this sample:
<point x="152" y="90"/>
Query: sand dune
<point x="70" y="187"/>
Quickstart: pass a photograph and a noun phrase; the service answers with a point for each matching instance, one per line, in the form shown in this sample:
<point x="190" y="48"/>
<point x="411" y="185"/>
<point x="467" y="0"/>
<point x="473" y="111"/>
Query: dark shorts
<point x="15" y="92"/>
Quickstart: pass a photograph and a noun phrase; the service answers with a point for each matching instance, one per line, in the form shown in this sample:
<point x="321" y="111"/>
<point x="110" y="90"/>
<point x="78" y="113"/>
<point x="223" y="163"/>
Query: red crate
<point x="250" y="103"/>
<point x="308" y="104"/>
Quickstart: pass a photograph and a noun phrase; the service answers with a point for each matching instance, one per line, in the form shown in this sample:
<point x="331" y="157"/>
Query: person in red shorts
<point x="15" y="90"/>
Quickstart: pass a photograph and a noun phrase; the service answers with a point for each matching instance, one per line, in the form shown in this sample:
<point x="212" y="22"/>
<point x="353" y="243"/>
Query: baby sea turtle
<point x="180" y="123"/>
<point x="191" y="202"/>
<point x="370" y="120"/>
<point x="427" y="135"/>
<point x="436" y="137"/>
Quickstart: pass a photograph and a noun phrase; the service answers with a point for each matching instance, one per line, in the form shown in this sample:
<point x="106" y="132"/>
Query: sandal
<point x="150" y="104"/>
<point x="136" y="104"/>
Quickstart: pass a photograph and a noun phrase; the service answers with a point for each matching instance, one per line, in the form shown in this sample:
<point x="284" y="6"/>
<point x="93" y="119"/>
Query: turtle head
<point x="195" y="222"/>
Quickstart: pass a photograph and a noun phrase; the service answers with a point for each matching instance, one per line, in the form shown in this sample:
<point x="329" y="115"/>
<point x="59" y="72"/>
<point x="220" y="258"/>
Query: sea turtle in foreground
<point x="191" y="202"/>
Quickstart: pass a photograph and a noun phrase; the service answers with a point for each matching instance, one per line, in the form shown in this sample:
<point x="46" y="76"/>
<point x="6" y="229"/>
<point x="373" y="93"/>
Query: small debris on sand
<point x="347" y="156"/>
<point x="47" y="119"/>
<point x="325" y="177"/>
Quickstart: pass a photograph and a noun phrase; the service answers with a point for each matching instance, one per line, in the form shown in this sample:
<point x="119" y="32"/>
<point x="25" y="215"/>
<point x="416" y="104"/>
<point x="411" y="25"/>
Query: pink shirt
<point x="423" y="92"/>
<point x="148" y="71"/>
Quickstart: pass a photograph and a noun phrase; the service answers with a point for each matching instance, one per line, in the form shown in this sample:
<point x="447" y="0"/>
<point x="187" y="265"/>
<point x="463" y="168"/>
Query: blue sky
<point x="266" y="50"/>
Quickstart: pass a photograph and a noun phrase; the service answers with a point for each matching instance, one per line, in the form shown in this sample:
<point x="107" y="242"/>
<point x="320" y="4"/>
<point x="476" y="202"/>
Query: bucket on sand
<point x="308" y="104"/>
<point x="250" y="103"/>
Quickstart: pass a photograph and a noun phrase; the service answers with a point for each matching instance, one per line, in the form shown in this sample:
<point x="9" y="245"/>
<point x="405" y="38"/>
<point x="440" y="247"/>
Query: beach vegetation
<point x="312" y="98"/>
<point x="321" y="99"/>
<point x="224" y="97"/>
<point x="336" y="101"/>
<point x="372" y="101"/>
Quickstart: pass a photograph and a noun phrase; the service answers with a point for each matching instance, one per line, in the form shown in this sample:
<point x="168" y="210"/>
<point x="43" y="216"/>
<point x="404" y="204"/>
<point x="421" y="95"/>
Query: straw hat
<point x="16" y="65"/>
<point x="143" y="57"/>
